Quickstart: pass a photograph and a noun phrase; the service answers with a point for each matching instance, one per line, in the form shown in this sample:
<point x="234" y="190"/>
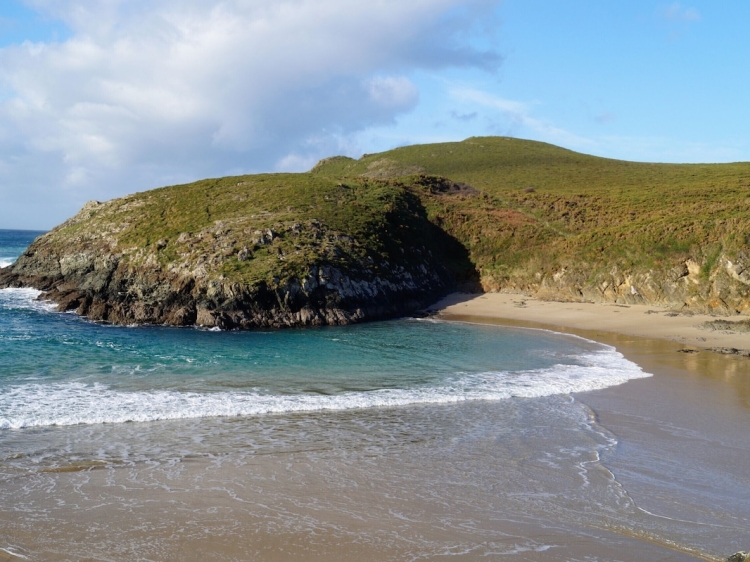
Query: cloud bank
<point x="150" y="92"/>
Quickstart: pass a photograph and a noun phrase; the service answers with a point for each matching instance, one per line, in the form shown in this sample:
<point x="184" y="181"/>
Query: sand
<point x="683" y="432"/>
<point x="631" y="320"/>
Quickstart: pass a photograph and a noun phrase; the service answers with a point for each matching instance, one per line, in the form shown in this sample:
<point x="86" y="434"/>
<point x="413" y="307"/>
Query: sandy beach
<point x="684" y="428"/>
<point x="631" y="320"/>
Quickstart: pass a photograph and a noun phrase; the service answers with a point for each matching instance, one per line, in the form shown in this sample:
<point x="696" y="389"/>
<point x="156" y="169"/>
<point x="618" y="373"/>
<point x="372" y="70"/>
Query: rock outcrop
<point x="723" y="289"/>
<point x="230" y="274"/>
<point x="106" y="288"/>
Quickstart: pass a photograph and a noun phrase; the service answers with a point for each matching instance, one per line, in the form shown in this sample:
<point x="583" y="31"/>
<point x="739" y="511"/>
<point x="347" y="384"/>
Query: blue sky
<point x="19" y="23"/>
<point x="101" y="99"/>
<point x="642" y="81"/>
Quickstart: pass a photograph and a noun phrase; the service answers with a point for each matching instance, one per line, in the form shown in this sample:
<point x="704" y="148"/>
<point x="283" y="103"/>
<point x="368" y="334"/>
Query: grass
<point x="282" y="223"/>
<point x="554" y="206"/>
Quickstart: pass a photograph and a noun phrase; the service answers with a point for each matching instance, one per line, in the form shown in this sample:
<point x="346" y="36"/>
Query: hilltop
<point x="568" y="226"/>
<point x="389" y="233"/>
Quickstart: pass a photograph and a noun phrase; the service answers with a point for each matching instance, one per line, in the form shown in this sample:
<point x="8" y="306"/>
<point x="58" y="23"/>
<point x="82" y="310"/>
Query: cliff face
<point x="240" y="271"/>
<point x="688" y="286"/>
<point x="109" y="287"/>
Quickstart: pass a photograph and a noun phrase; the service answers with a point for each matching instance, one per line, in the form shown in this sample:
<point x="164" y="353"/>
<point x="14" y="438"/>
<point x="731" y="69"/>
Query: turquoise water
<point x="59" y="369"/>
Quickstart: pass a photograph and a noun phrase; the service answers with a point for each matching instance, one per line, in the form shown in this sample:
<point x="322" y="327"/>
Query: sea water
<point x="459" y="426"/>
<point x="60" y="370"/>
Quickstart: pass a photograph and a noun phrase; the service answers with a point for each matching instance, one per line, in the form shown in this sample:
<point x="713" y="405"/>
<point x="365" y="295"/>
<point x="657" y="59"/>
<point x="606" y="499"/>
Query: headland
<point x="389" y="233"/>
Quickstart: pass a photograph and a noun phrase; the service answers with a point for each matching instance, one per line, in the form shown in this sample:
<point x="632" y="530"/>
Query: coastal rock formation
<point x="386" y="234"/>
<point x="723" y="289"/>
<point x="739" y="557"/>
<point x="101" y="289"/>
<point x="231" y="273"/>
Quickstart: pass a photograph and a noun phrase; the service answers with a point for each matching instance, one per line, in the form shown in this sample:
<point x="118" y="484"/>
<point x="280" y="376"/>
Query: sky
<point x="102" y="98"/>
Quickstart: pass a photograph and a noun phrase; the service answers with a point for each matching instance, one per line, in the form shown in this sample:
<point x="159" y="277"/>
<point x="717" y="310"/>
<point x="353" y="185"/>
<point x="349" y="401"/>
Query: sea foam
<point x="70" y="403"/>
<point x="19" y="299"/>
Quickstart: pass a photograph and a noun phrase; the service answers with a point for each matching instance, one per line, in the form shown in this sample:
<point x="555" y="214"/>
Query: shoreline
<point x="641" y="321"/>
<point x="691" y="392"/>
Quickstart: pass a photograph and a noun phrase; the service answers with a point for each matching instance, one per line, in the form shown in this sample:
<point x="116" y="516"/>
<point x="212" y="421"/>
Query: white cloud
<point x="393" y="92"/>
<point x="519" y="115"/>
<point x="675" y="12"/>
<point x="148" y="92"/>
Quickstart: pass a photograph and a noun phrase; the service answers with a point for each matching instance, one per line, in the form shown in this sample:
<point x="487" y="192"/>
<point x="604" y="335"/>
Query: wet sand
<point x="683" y="433"/>
<point x="463" y="493"/>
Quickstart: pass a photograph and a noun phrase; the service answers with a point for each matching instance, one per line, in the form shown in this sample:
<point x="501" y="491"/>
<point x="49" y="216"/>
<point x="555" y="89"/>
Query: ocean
<point x="400" y="440"/>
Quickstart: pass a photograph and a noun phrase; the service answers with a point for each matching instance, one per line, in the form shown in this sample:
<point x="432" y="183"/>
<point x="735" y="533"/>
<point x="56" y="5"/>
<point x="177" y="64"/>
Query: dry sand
<point x="631" y="320"/>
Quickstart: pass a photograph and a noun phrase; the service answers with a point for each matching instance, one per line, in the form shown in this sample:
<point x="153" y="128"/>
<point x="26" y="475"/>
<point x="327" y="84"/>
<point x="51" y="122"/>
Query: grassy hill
<point x="545" y="209"/>
<point x="365" y="238"/>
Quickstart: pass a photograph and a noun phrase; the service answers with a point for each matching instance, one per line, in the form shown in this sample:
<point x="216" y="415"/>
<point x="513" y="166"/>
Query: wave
<point x="5" y="262"/>
<point x="72" y="403"/>
<point x="24" y="299"/>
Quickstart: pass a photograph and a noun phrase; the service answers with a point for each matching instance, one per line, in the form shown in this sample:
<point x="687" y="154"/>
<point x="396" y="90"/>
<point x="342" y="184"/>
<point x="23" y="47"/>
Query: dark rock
<point x="731" y="351"/>
<point x="243" y="254"/>
<point x="66" y="301"/>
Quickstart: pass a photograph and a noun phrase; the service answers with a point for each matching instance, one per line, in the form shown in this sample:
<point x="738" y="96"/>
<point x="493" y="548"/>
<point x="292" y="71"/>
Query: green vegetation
<point x="267" y="228"/>
<point x="509" y="209"/>
<point x="543" y="203"/>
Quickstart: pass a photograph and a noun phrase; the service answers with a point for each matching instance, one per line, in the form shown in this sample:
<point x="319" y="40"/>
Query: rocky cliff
<point x="139" y="260"/>
<point x="689" y="286"/>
